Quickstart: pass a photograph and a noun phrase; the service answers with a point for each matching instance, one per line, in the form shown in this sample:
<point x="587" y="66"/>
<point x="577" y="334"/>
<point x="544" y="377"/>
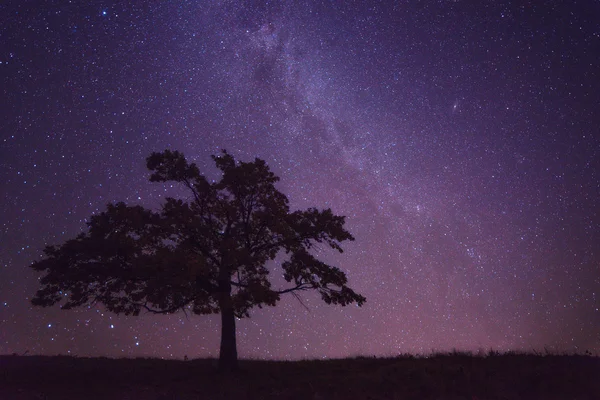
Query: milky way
<point x="460" y="139"/>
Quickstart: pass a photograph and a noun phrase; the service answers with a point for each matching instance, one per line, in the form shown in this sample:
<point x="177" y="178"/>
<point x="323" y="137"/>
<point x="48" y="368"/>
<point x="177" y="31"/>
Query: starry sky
<point x="460" y="138"/>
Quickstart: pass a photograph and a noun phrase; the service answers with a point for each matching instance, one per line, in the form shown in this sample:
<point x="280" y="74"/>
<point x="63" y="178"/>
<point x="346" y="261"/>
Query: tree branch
<point x="191" y="187"/>
<point x="297" y="296"/>
<point x="300" y="286"/>
<point x="165" y="311"/>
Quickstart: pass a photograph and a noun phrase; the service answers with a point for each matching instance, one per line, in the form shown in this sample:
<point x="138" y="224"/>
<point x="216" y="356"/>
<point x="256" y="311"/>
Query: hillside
<point x="443" y="376"/>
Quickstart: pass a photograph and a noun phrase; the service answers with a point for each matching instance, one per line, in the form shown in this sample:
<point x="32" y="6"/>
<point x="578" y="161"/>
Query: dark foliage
<point x="206" y="255"/>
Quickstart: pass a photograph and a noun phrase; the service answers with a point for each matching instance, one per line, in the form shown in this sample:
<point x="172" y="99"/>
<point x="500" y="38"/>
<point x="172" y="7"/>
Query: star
<point x="469" y="180"/>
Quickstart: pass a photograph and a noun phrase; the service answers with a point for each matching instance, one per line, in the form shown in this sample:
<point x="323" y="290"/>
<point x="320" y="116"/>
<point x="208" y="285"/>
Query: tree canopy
<point x="204" y="254"/>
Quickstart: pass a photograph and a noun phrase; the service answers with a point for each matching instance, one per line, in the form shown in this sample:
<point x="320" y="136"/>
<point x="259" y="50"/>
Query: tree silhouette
<point x="206" y="255"/>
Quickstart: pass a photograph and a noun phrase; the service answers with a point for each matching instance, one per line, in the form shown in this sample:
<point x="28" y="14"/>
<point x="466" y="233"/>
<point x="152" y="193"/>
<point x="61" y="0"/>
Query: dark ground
<point x="450" y="376"/>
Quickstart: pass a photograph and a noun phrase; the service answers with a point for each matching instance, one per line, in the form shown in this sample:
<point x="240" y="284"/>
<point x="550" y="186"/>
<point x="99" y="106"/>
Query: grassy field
<point x="443" y="376"/>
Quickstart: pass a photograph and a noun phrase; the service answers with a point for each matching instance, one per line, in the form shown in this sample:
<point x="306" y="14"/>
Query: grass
<point x="453" y="376"/>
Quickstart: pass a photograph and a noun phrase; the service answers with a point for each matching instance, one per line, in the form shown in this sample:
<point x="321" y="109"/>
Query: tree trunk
<point x="228" y="353"/>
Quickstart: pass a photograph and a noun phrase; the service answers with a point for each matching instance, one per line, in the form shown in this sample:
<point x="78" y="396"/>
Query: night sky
<point x="460" y="138"/>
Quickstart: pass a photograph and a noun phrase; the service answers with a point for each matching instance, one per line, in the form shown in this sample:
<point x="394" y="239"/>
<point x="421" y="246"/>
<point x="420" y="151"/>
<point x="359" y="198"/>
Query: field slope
<point x="450" y="376"/>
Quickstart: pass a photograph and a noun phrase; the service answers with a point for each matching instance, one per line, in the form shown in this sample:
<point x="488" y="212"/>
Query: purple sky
<point x="460" y="138"/>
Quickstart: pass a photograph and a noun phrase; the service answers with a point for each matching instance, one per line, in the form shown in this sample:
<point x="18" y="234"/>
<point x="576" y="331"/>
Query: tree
<point x="207" y="254"/>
